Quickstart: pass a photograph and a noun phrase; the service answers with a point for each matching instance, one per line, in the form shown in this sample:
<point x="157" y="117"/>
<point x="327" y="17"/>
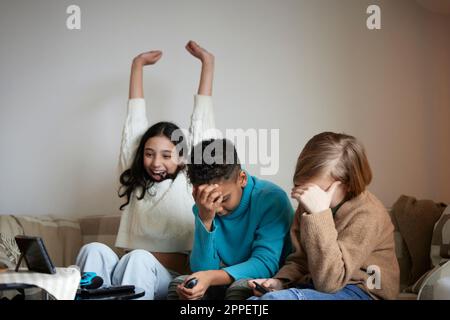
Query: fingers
<point x="214" y="196"/>
<point x="189" y="294"/>
<point x="183" y="291"/>
<point x="304" y="188"/>
<point x="206" y="192"/>
<point x="297" y="192"/>
<point x="267" y="284"/>
<point x="196" y="296"/>
<point x="200" y="191"/>
<point x="333" y="188"/>
<point x="188" y="48"/>
<point x="217" y="204"/>
<point x="154" y="54"/>
<point x="157" y="55"/>
<point x="196" y="50"/>
<point x="296" y="196"/>
<point x="192" y="47"/>
<point x="181" y="294"/>
<point x="150" y="57"/>
<point x="253" y="287"/>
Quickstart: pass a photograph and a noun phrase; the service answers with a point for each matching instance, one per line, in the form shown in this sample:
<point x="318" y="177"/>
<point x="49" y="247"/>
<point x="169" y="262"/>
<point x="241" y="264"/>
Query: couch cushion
<point x="415" y="220"/>
<point x="402" y="254"/>
<point x="62" y="237"/>
<point x="102" y="229"/>
<point x="404" y="260"/>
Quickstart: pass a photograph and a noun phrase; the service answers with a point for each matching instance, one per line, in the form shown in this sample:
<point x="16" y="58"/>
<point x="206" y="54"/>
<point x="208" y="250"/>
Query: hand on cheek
<point x="313" y="199"/>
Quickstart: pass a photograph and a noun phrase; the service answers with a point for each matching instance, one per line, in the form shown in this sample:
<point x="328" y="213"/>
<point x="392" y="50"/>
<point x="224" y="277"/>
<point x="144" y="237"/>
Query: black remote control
<point x="106" y="291"/>
<point x="191" y="283"/>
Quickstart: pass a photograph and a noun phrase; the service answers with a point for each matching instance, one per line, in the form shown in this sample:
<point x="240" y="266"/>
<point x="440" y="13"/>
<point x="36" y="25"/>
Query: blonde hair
<point x="340" y="156"/>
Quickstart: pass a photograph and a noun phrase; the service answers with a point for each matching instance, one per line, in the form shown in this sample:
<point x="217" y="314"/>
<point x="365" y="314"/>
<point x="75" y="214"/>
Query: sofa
<point x="64" y="237"/>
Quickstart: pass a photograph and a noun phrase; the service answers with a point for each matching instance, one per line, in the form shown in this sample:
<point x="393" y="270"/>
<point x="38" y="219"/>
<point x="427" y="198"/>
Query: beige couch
<point x="65" y="237"/>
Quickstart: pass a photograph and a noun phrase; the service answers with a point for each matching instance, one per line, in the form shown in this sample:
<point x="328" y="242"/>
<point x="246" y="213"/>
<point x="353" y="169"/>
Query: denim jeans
<point x="307" y="292"/>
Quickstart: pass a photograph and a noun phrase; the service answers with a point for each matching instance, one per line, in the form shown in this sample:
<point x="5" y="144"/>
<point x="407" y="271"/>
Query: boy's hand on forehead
<point x="208" y="198"/>
<point x="313" y="198"/>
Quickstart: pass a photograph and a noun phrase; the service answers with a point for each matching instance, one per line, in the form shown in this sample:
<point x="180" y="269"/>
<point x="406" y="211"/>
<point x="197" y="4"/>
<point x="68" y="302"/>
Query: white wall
<point x="301" y="66"/>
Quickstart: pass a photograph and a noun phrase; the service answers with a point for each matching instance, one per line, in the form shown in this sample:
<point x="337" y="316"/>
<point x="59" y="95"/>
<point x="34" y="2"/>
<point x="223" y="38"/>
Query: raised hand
<point x="200" y="53"/>
<point x="148" y="58"/>
<point x="207" y="58"/>
<point x="136" y="79"/>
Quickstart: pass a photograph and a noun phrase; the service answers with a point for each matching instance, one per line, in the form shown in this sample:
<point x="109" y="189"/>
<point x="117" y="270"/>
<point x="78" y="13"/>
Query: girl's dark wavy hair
<point x="136" y="177"/>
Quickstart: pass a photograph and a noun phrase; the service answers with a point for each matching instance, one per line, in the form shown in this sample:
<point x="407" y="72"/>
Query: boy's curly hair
<point x="213" y="160"/>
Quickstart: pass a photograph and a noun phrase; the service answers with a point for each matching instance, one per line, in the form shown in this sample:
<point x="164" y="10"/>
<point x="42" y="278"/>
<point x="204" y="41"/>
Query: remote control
<point x="106" y="290"/>
<point x="191" y="283"/>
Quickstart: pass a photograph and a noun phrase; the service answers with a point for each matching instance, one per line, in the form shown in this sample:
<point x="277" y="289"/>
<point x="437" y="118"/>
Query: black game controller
<point x="260" y="288"/>
<point x="191" y="283"/>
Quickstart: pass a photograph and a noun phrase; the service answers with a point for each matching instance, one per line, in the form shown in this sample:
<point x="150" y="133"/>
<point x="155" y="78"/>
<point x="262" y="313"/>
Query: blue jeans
<point x="307" y="292"/>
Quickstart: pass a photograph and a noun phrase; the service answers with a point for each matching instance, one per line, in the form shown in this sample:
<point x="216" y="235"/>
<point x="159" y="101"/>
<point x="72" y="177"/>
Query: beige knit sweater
<point x="335" y="251"/>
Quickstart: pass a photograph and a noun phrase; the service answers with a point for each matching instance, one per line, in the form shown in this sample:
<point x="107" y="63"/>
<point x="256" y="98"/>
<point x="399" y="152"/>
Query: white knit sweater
<point x="163" y="220"/>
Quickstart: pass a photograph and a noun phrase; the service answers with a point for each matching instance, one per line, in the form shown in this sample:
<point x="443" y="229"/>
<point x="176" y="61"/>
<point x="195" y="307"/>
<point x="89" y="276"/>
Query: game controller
<point x="86" y="278"/>
<point x="191" y="283"/>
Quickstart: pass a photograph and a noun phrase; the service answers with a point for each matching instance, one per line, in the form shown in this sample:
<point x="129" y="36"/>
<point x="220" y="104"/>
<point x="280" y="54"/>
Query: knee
<point x="140" y="255"/>
<point x="94" y="251"/>
<point x="172" y="290"/>
<point x="239" y="290"/>
<point x="178" y="280"/>
<point x="139" y="259"/>
<point x="93" y="248"/>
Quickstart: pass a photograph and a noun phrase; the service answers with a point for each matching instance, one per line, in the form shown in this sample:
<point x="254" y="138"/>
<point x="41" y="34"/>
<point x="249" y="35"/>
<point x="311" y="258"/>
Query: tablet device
<point x="32" y="249"/>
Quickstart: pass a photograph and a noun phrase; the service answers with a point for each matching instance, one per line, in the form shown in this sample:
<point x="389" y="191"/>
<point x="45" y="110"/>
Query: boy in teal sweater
<point x="241" y="226"/>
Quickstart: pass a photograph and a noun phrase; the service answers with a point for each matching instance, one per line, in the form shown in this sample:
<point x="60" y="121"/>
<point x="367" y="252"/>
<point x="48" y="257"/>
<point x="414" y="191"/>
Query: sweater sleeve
<point x="202" y="120"/>
<point x="333" y="258"/>
<point x="136" y="124"/>
<point x="204" y="254"/>
<point x="269" y="240"/>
